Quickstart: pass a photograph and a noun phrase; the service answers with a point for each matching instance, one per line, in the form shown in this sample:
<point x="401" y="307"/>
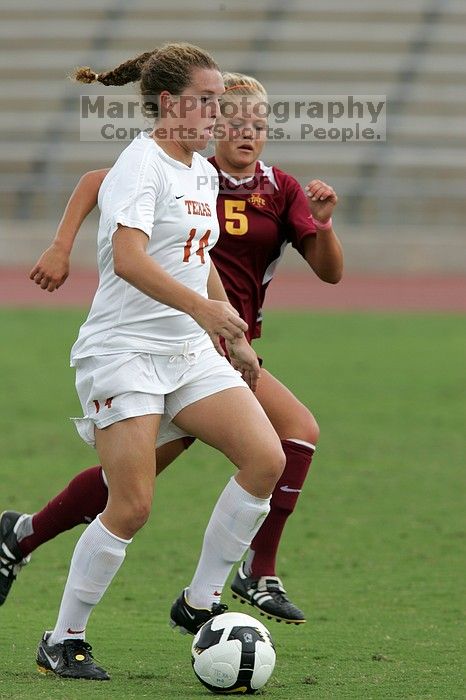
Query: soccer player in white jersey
<point x="146" y="355"/>
<point x="274" y="211"/>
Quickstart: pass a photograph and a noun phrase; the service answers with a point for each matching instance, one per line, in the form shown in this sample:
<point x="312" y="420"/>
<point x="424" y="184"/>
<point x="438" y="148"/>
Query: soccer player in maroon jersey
<point x="260" y="209"/>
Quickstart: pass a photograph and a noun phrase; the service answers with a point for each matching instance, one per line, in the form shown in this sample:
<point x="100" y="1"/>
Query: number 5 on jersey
<point x="203" y="241"/>
<point x="236" y="223"/>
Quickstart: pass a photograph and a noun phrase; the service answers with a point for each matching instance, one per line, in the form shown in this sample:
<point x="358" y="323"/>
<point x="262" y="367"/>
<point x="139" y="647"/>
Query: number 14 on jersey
<point x="203" y="241"/>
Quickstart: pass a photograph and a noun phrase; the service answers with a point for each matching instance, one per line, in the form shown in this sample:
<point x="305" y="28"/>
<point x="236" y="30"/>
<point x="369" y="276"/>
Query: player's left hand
<point x="244" y="359"/>
<point x="52" y="268"/>
<point x="322" y="200"/>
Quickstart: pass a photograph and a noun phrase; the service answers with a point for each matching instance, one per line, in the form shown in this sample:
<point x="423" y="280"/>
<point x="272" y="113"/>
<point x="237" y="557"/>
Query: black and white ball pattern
<point x="233" y="652"/>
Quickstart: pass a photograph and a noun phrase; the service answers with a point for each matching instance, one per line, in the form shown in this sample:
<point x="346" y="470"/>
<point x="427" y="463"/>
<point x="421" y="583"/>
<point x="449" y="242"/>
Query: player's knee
<point x="135" y="513"/>
<point x="279" y="463"/>
<point x="302" y="426"/>
<point x="273" y="463"/>
<point x="140" y="515"/>
<point x="311" y="429"/>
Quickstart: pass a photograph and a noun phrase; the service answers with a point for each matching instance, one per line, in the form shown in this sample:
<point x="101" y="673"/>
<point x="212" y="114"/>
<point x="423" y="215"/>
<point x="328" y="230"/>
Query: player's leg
<point x="299" y="432"/>
<point x="84" y="497"/>
<point x="233" y="422"/>
<point x="126" y="451"/>
<point x="80" y="501"/>
<point x="256" y="581"/>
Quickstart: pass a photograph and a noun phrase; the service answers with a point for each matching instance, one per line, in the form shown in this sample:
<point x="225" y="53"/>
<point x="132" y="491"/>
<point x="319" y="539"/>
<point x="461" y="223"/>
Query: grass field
<point x="374" y="552"/>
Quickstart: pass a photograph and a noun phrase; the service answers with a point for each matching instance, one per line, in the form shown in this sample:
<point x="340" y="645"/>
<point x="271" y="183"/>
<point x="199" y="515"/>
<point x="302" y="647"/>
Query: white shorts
<point x="114" y="387"/>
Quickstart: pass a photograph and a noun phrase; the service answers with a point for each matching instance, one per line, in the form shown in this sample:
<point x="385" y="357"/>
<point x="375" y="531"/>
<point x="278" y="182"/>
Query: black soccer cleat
<point x="69" y="659"/>
<point x="268" y="595"/>
<point x="11" y="557"/>
<point x="189" y="619"/>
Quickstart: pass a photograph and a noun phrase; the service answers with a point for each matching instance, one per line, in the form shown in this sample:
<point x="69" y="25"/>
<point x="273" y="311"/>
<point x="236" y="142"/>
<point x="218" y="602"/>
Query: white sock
<point x="97" y="557"/>
<point x="236" y="518"/>
<point x="248" y="562"/>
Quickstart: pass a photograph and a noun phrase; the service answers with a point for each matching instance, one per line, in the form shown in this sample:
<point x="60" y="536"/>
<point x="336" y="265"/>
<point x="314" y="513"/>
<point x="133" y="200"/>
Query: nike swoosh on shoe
<point x="53" y="663"/>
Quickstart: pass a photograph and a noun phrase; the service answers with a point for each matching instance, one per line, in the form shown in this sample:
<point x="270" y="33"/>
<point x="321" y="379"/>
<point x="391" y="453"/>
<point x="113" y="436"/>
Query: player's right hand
<point x="52" y="268"/>
<point x="220" y="318"/>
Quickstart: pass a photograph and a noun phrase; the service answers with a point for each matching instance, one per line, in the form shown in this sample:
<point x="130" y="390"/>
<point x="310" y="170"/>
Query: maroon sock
<point x="84" y="498"/>
<point x="265" y="543"/>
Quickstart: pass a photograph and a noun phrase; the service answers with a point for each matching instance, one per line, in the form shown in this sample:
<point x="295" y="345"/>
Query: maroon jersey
<point x="258" y="217"/>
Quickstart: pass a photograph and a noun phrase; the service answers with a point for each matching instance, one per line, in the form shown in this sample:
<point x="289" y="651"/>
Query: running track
<point x="289" y="290"/>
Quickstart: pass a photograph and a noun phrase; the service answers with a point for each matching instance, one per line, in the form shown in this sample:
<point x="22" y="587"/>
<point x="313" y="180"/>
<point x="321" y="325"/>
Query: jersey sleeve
<point x="298" y="219"/>
<point x="135" y="194"/>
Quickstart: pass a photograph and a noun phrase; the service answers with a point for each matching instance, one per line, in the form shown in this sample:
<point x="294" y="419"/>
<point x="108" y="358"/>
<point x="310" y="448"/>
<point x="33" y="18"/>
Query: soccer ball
<point x="233" y="653"/>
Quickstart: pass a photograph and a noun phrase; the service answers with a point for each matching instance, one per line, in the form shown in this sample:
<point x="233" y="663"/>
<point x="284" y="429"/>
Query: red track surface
<point x="289" y="290"/>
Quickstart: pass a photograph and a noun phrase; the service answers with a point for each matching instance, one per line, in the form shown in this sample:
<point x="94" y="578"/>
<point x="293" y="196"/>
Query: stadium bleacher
<point x="413" y="51"/>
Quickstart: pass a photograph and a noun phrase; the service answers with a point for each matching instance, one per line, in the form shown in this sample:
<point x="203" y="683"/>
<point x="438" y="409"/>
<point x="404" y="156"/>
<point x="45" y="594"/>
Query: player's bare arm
<point x="133" y="264"/>
<point x="52" y="268"/>
<point x="323" y="252"/>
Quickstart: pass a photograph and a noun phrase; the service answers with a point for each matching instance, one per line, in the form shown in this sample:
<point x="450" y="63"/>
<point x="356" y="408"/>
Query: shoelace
<point x="274" y="587"/>
<point x="280" y="597"/>
<point x="8" y="567"/>
<point x="219" y="608"/>
<point x="11" y="568"/>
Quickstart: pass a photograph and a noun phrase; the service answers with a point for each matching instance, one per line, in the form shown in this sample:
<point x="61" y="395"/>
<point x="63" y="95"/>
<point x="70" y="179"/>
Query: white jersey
<point x="175" y="205"/>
